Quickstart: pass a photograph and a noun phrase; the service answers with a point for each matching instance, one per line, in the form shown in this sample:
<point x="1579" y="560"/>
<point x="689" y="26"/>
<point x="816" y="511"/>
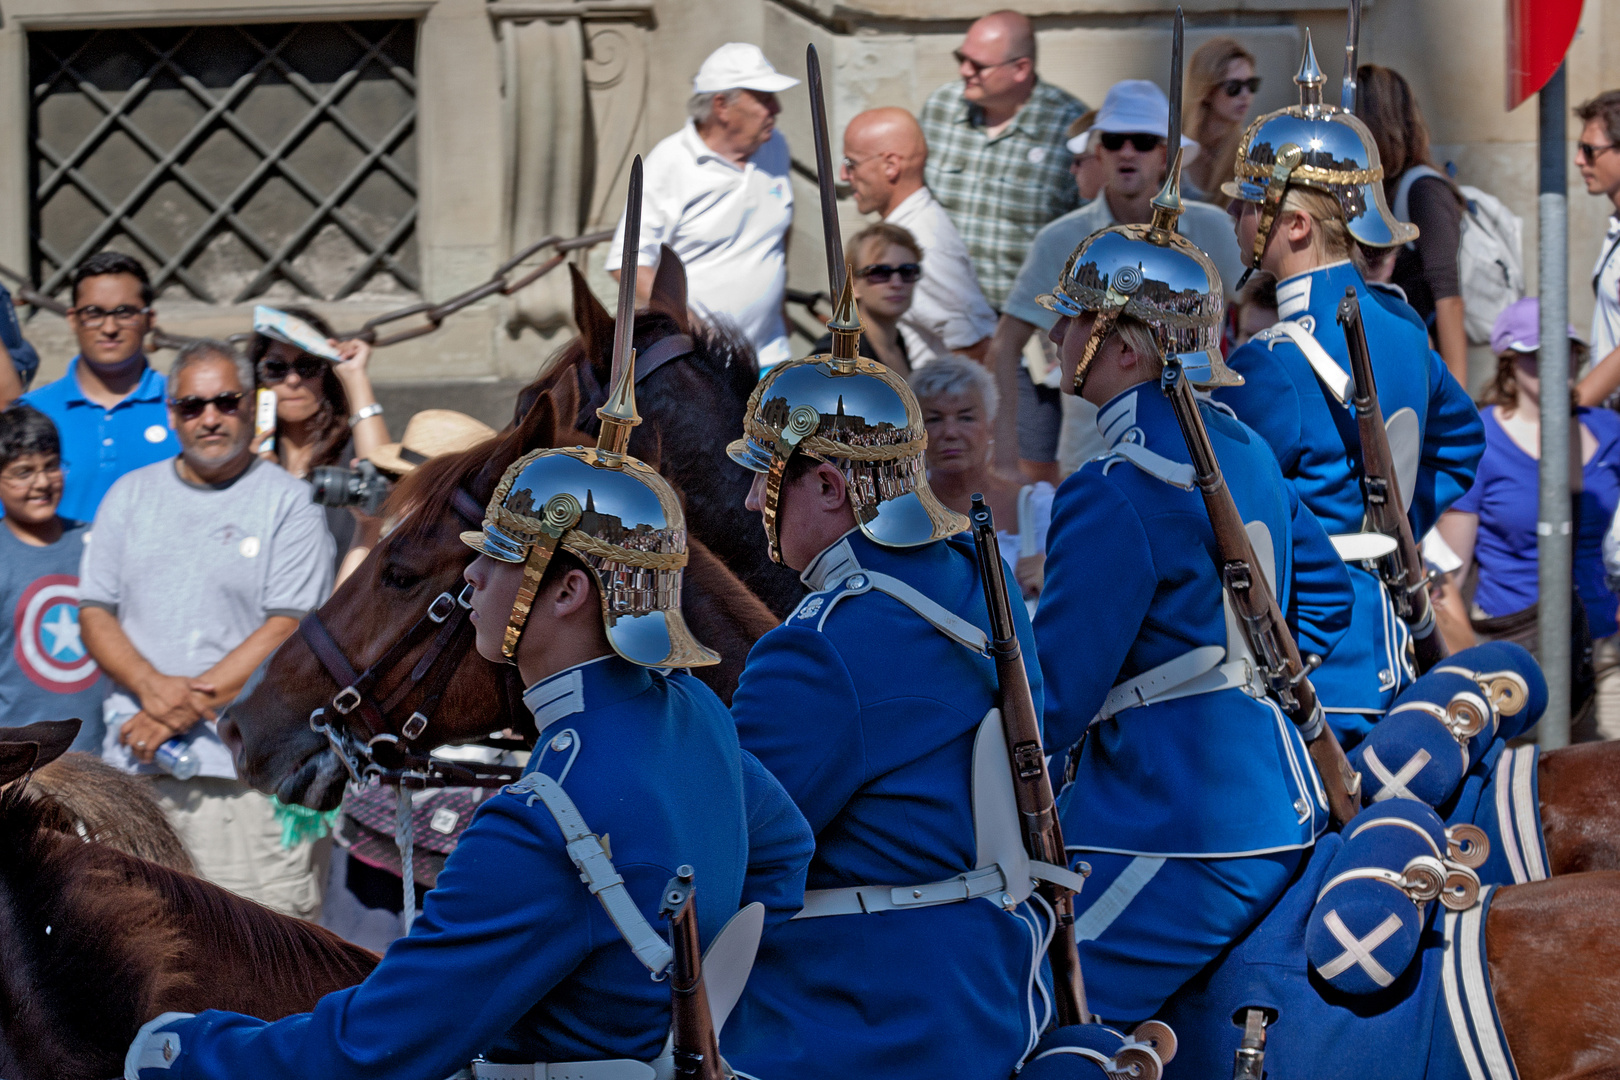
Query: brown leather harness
<point x="393" y="758"/>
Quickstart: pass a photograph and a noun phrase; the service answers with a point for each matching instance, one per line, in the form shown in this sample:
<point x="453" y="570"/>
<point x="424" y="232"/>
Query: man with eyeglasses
<point x="995" y="148"/>
<point x="884" y="157"/>
<point x="1128" y="137"/>
<point x="1598" y="159"/>
<point x="108" y="408"/>
<point x="198" y="566"/>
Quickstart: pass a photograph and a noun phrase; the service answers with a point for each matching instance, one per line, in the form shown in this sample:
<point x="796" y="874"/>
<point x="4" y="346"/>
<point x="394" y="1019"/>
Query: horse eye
<point x="399" y="577"/>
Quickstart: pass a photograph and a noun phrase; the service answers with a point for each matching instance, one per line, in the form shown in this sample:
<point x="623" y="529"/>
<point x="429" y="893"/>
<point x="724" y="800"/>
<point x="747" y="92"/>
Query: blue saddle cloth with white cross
<point x="1436" y="1021"/>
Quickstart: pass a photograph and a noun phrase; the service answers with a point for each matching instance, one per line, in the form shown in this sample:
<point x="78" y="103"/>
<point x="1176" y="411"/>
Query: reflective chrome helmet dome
<point x="623" y="521"/>
<point x="857" y="415"/>
<point x="1156" y="275"/>
<point x="1320" y="147"/>
<point x="612" y="511"/>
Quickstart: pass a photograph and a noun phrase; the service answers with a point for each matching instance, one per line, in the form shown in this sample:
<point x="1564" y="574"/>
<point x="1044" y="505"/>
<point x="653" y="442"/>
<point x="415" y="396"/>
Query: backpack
<point x="1490" y="257"/>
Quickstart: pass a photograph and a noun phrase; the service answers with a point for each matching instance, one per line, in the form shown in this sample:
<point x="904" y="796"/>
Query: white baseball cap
<point x="1132" y="106"/>
<point x="738" y="65"/>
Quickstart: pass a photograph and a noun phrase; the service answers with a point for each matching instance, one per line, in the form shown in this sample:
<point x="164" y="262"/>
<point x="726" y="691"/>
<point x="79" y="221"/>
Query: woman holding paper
<point x="326" y="412"/>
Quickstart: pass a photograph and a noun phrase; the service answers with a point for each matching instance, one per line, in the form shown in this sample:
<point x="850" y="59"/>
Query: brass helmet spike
<point x="1310" y="78"/>
<point x="846" y="327"/>
<point x="1167" y="204"/>
<point x="619" y="417"/>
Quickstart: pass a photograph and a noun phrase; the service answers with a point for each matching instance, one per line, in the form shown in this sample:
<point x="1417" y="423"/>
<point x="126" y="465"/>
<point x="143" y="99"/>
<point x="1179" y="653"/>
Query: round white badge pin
<point x="156" y="433"/>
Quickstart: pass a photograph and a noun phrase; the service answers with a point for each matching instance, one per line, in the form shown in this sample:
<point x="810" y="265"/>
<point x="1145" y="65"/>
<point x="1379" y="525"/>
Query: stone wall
<point x="529" y="110"/>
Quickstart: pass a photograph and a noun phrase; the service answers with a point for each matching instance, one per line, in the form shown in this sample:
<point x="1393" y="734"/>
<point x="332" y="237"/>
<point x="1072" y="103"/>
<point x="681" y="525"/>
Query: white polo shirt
<point x="948" y="310"/>
<point x="729" y="225"/>
<point x="1606" y="282"/>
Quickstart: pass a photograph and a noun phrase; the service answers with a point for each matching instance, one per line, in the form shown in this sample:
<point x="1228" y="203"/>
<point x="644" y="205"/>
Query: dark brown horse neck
<point x="94" y="943"/>
<point x="691" y="406"/>
<point x="1579" y="794"/>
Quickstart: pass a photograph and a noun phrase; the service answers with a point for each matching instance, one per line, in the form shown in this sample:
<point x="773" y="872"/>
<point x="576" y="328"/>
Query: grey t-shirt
<point x="191" y="571"/>
<point x="1206" y="226"/>
<point x="46" y="673"/>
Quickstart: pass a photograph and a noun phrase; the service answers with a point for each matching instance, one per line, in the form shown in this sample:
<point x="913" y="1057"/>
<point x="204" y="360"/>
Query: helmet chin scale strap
<point x="562" y="512"/>
<point x="802" y="422"/>
<point x="1282" y="167"/>
<point x="1100" y="329"/>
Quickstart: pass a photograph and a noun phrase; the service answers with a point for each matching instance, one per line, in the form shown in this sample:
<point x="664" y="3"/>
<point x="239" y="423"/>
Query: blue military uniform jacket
<point x="1315" y="439"/>
<point x="512" y="956"/>
<point x="1131" y="584"/>
<point x="867" y="714"/>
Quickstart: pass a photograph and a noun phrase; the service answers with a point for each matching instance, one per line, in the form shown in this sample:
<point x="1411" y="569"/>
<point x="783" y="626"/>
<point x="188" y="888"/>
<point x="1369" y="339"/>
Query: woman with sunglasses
<point x="1221" y="85"/>
<point x="326" y="412"/>
<point x="888" y="263"/>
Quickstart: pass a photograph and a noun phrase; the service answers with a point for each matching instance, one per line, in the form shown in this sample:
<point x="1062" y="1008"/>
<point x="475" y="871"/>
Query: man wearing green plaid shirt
<point x="996" y="159"/>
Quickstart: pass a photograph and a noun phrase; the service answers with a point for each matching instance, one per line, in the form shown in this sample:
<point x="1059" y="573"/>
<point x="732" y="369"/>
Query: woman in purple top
<point x="1494" y="524"/>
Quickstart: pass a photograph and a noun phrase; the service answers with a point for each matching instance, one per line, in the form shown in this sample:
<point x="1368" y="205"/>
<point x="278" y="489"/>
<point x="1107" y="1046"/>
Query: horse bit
<point x="385" y="757"/>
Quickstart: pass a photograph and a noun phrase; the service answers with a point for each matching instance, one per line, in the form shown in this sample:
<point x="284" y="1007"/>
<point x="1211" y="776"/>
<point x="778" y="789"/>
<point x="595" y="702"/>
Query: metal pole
<point x="1553" y="527"/>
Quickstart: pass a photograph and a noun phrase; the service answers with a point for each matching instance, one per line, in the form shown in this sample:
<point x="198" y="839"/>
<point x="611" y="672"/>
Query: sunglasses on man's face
<point x="1116" y="140"/>
<point x="1234" y="87"/>
<point x="878" y="273"/>
<point x="191" y="407"/>
<point x="1589" y="153"/>
<point x="307" y="367"/>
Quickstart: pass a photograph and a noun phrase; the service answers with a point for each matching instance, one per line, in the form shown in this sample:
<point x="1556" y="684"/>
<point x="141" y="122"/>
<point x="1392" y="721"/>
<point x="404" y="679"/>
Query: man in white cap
<point x="1128" y="137"/>
<point x="718" y="193"/>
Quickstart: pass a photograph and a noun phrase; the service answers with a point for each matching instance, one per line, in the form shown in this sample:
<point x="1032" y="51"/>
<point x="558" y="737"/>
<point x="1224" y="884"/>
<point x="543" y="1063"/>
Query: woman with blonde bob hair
<point x="1221" y="85"/>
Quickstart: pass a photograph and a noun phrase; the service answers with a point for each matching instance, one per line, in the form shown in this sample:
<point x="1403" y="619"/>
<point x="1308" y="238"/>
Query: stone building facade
<point x="360" y="155"/>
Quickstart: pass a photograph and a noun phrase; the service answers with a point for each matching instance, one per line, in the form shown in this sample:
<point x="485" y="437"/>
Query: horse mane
<point x="82" y="795"/>
<point x="95" y="942"/>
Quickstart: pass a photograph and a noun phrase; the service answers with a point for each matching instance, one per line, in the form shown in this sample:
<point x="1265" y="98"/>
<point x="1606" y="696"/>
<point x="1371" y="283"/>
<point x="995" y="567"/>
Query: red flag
<point x="1538" y="35"/>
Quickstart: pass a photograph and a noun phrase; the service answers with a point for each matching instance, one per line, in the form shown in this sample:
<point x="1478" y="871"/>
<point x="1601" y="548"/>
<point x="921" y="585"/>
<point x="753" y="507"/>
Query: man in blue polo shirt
<point x="109" y="408"/>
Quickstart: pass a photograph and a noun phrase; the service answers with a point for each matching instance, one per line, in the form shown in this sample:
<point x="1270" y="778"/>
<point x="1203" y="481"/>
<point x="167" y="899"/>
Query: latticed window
<point x="234" y="161"/>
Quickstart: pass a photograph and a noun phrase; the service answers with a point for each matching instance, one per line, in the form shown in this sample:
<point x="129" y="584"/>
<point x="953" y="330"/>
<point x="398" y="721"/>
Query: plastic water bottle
<point x="177" y="758"/>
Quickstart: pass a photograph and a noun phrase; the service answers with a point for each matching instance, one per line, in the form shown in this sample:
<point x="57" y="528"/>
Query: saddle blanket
<point x="1437" y="1021"/>
<point x="1501" y="795"/>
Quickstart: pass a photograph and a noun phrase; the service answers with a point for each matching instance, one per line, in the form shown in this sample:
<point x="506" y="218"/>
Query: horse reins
<point x="662" y="352"/>
<point x="384" y="755"/>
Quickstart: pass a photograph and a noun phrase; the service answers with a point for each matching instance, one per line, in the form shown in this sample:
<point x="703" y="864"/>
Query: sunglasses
<point x="1234" y="87"/>
<point x="980" y="69"/>
<point x="881" y="272"/>
<point x="1143" y="142"/>
<point x="307" y="367"/>
<point x="1590" y="153"/>
<point x="190" y="408"/>
<point x="123" y="315"/>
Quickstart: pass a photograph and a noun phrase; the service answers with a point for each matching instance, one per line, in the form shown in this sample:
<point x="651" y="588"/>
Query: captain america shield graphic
<point x="49" y="648"/>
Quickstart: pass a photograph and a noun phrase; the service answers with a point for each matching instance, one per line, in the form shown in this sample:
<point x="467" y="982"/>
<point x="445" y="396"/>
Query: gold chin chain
<point x="562" y="512"/>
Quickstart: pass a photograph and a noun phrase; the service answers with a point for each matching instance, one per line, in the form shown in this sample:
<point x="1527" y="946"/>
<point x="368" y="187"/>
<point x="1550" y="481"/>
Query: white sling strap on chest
<point x="1002" y="869"/>
<point x="726" y="963"/>
<point x="1334" y="377"/>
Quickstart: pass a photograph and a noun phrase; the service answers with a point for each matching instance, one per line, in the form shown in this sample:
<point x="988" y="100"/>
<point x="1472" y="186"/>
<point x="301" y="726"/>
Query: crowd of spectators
<point x="156" y="548"/>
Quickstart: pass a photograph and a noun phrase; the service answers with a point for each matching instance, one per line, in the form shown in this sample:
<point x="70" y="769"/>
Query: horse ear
<point x="537" y="429"/>
<point x="669" y="289"/>
<point x="595" y="325"/>
<point x="16" y="760"/>
<point x="50" y="738"/>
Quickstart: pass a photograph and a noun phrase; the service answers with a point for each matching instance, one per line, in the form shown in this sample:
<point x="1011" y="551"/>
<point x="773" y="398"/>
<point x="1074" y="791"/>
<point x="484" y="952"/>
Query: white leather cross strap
<point x="1176" y="473"/>
<point x="1197" y="671"/>
<point x="866" y="899"/>
<point x="596" y="870"/>
<point x="952" y="626"/>
<point x="617" y="1069"/>
<point x="1332" y="376"/>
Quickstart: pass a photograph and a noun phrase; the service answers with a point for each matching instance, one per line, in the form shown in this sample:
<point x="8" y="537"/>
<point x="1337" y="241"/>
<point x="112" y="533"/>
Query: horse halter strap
<point x="447" y="614"/>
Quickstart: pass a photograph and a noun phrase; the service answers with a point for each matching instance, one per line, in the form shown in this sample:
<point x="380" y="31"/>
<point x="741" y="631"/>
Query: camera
<point x="363" y="488"/>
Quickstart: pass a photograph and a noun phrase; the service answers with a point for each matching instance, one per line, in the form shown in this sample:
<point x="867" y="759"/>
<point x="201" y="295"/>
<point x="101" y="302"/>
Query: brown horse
<point x="422" y="558"/>
<point x="95" y="942"/>
<point x="1579" y="794"/>
<point x="692" y="386"/>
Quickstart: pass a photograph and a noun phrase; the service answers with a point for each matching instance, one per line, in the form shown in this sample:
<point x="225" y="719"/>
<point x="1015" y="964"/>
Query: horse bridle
<point x="384" y="755"/>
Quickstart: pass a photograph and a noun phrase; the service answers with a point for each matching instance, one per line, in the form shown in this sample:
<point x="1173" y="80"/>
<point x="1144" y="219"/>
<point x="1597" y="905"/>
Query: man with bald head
<point x="884" y="156"/>
<point x="996" y="159"/>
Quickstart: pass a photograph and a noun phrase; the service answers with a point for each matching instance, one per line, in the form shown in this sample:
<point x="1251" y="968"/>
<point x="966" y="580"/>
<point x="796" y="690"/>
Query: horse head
<point x="390" y="654"/>
<point x="693" y="379"/>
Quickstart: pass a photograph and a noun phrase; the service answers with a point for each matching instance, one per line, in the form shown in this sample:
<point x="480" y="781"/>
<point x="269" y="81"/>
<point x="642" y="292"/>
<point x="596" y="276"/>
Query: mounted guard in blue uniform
<point x="537" y="950"/>
<point x="1310" y="184"/>
<point x="1192" y="799"/>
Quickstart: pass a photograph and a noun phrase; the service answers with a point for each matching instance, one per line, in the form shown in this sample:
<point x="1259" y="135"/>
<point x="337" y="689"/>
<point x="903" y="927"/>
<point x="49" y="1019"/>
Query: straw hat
<point x="430" y="433"/>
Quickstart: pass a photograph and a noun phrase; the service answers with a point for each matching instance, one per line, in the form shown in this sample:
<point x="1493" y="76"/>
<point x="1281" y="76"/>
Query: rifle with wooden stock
<point x="697" y="1046"/>
<point x="1285" y="674"/>
<point x="1402" y="569"/>
<point x="1032" y="785"/>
